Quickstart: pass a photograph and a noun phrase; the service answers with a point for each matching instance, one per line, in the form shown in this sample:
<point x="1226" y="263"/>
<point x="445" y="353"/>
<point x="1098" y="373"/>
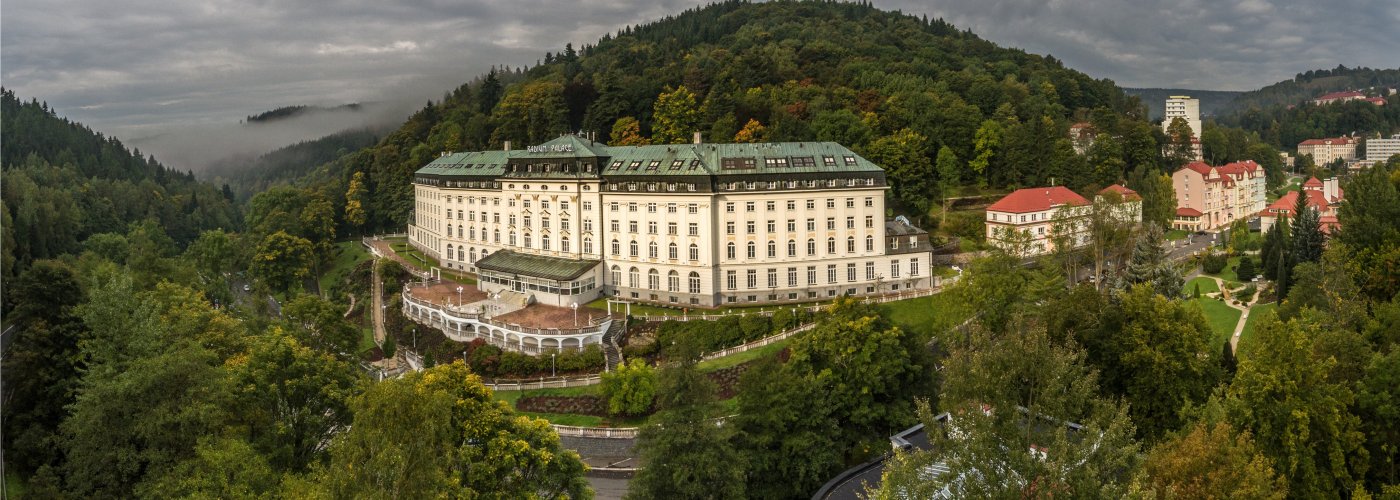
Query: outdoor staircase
<point x="612" y="354"/>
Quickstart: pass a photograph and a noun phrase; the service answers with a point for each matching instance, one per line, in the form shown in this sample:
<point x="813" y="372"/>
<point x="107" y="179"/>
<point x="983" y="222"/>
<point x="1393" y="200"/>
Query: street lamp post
<point x="575" y="307"/>
<point x="459" y="295"/>
<point x="551" y="364"/>
<point x="415" y="338"/>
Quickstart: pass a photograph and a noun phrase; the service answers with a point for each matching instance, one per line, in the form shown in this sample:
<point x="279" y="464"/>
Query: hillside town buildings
<point x="1326" y="151"/>
<point x="693" y="225"/>
<point x="1209" y="198"/>
<point x="1323" y="196"/>
<point x="1038" y="214"/>
<point x="1347" y="96"/>
<point x="1378" y="150"/>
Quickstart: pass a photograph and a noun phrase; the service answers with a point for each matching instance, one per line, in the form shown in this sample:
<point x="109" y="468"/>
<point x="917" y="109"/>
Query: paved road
<point x="607" y="488"/>
<point x="377" y="289"/>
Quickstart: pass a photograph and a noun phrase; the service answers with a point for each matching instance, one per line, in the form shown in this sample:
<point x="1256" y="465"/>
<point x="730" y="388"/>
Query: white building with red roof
<point x="1350" y="95"/>
<point x="1209" y="197"/>
<point x="1038" y="212"/>
<point x="1323" y="196"/>
<point x="1326" y="151"/>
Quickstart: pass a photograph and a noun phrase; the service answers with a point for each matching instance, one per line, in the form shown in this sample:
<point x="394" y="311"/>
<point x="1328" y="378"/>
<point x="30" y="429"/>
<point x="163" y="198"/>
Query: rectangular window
<point x="729" y="227"/>
<point x="632" y="227"/>
<point x="831" y="273"/>
<point x="831" y="223"/>
<point x="772" y="278"/>
<point x="850" y="203"/>
<point x="869" y="202"/>
<point x="894" y="268"/>
<point x="750" y="206"/>
<point x="693" y="208"/>
<point x="913" y="267"/>
<point x="850" y="223"/>
<point x="771" y="206"/>
<point x="830" y="203"/>
<point x="651" y="227"/>
<point x="869" y="271"/>
<point x="792" y="205"/>
<point x="749" y="227"/>
<point x="671" y="207"/>
<point x="588" y="225"/>
<point x="829" y="161"/>
<point x="729" y="207"/>
<point x="614" y="226"/>
<point x="811" y="224"/>
<point x="694" y="229"/>
<point x="851" y="272"/>
<point x="612" y="206"/>
<point x="772" y="226"/>
<point x="811" y="275"/>
<point x="651" y="208"/>
<point x="811" y="204"/>
<point x="792" y="276"/>
<point x="869" y="221"/>
<point x="752" y="278"/>
<point x="791" y="226"/>
<point x="564" y="204"/>
<point x="731" y="280"/>
<point x="672" y="228"/>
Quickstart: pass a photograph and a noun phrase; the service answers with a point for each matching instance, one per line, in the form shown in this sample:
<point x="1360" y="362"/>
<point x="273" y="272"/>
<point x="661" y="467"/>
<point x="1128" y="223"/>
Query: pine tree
<point x="1307" y="233"/>
<point x="1150" y="265"/>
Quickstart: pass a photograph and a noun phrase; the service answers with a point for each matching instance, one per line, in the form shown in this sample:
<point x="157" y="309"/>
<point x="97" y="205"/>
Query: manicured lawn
<point x="1207" y="286"/>
<point x="1176" y="234"/>
<point x="925" y="316"/>
<point x="1222" y="318"/>
<point x="418" y="259"/>
<point x="348" y="254"/>
<point x="366" y="338"/>
<point x="1256" y="314"/>
<point x="742" y="357"/>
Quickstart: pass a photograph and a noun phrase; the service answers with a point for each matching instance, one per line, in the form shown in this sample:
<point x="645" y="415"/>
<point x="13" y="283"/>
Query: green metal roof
<point x="669" y="159"/>
<point x="539" y="266"/>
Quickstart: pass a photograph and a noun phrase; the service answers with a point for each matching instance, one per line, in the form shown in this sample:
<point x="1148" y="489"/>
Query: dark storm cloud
<point x="1214" y="45"/>
<point x="145" y="68"/>
<point x="139" y="68"/>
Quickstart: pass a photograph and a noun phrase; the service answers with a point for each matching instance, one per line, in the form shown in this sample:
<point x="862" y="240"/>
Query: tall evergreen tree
<point x="1307" y="233"/>
<point x="1149" y="264"/>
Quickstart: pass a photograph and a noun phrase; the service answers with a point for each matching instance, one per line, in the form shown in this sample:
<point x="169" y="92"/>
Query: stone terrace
<point x="543" y="316"/>
<point x="446" y="292"/>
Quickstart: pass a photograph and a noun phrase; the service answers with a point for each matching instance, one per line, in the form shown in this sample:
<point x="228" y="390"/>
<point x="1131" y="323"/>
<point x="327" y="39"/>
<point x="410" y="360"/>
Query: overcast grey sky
<point x="137" y="67"/>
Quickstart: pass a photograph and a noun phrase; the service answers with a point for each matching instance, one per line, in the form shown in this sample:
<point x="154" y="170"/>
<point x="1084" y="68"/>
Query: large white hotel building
<point x="686" y="224"/>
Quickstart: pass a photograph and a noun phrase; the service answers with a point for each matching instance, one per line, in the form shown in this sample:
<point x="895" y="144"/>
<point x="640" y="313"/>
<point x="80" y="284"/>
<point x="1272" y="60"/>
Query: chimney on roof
<point x="507" y="145"/>
<point x="697" y="137"/>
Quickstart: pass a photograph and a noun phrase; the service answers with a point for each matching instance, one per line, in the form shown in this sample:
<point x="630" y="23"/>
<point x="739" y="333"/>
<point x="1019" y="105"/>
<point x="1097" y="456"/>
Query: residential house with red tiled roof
<point x="1038" y="212"/>
<point x="1323" y="196"/>
<point x="1214" y="197"/>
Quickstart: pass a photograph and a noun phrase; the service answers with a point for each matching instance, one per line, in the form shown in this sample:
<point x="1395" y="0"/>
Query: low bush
<point x="1214" y="263"/>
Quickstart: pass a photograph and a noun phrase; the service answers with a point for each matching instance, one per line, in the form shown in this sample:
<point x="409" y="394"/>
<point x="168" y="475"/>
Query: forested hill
<point x="1310" y="84"/>
<point x="895" y="87"/>
<point x="64" y="182"/>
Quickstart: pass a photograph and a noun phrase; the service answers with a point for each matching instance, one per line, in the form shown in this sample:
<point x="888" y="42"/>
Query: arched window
<point x="672" y="252"/>
<point x="472" y="255"/>
<point x="651" y="250"/>
<point x="729" y="251"/>
<point x="496" y="235"/>
<point x="831" y="245"/>
<point x="588" y="245"/>
<point x="653" y="280"/>
<point x="449" y="250"/>
<point x="694" y="282"/>
<point x="694" y="252"/>
<point x="563" y="243"/>
<point x="792" y="248"/>
<point x="512" y="238"/>
<point x="811" y="247"/>
<point x="459" y="230"/>
<point x="870" y="243"/>
<point x="752" y="249"/>
<point x="461" y="253"/>
<point x="632" y="248"/>
<point x="616" y="276"/>
<point x="632" y="277"/>
<point x="544" y="241"/>
<point x="616" y="248"/>
<point x="851" y="244"/>
<point x="527" y="240"/>
<point x="673" y="281"/>
<point x="772" y="248"/>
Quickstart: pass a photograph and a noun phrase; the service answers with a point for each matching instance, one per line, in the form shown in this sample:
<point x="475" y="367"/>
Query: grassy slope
<point x="347" y="255"/>
<point x="925" y="316"/>
<point x="1207" y="286"/>
<point x="1222" y="318"/>
<point x="1256" y="314"/>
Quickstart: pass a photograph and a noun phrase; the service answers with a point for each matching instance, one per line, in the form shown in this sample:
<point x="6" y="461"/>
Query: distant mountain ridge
<point x="1213" y="102"/>
<point x="285" y="112"/>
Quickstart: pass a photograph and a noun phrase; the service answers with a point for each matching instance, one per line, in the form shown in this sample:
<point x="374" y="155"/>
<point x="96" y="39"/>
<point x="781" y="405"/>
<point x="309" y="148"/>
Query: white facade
<point x="671" y="224"/>
<point x="1186" y="108"/>
<point x="1382" y="149"/>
